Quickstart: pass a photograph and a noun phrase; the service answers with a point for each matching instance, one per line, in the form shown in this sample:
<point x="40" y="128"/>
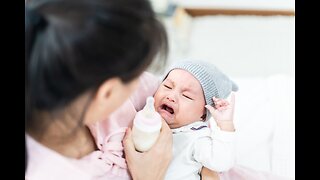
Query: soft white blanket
<point x="264" y="118"/>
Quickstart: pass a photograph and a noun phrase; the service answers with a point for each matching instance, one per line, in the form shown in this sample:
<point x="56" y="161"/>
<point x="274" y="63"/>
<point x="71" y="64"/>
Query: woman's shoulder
<point x="44" y="163"/>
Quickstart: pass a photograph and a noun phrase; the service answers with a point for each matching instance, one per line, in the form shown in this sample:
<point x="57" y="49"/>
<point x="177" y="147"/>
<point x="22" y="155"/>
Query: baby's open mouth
<point x="167" y="108"/>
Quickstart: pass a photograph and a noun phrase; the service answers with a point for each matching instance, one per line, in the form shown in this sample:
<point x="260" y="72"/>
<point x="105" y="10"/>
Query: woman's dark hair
<point x="73" y="46"/>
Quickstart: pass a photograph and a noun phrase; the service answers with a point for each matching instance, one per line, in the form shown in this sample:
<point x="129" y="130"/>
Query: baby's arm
<point x="216" y="152"/>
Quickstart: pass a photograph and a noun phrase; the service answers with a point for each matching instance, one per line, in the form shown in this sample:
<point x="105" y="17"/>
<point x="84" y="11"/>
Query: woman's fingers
<point x="153" y="163"/>
<point x="165" y="138"/>
<point x="128" y="145"/>
<point x="207" y="174"/>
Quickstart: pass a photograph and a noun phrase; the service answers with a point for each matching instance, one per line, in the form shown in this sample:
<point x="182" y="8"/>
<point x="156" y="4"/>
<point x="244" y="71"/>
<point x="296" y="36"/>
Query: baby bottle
<point x="146" y="126"/>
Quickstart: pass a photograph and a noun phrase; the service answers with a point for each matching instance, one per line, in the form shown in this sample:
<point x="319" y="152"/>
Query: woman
<point x="82" y="61"/>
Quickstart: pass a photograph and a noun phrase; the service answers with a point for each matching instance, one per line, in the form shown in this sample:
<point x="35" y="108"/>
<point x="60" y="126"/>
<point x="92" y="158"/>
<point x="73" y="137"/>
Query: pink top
<point x="105" y="163"/>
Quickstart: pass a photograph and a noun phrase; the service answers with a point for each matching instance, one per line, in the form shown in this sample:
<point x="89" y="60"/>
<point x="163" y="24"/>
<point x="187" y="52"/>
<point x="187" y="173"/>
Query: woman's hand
<point x="223" y="112"/>
<point x="153" y="164"/>
<point x="207" y="174"/>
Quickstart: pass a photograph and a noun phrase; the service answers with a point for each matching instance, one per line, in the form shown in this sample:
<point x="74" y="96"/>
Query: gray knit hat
<point x="214" y="83"/>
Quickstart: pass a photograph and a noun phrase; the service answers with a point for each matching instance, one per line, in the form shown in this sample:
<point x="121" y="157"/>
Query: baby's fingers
<point x="222" y="108"/>
<point x="220" y="102"/>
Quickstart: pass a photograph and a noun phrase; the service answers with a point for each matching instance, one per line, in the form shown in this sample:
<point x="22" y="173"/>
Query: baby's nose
<point x="171" y="98"/>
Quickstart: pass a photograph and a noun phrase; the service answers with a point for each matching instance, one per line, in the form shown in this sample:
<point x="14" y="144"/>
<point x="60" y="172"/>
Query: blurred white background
<point x="258" y="53"/>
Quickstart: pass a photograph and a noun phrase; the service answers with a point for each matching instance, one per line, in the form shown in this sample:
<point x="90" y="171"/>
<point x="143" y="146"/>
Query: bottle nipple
<point x="149" y="107"/>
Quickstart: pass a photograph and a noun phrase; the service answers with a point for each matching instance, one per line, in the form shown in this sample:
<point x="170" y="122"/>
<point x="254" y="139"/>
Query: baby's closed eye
<point x="167" y="86"/>
<point x="186" y="96"/>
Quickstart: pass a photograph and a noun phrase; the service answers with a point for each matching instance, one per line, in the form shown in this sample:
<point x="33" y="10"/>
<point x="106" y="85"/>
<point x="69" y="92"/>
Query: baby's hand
<point x="220" y="104"/>
<point x="223" y="112"/>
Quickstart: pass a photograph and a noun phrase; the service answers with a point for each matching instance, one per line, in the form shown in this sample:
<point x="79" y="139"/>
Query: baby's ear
<point x="204" y="116"/>
<point x="213" y="105"/>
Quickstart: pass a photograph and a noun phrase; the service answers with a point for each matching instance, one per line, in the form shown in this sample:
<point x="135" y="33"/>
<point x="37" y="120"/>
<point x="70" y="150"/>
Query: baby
<point x="192" y="94"/>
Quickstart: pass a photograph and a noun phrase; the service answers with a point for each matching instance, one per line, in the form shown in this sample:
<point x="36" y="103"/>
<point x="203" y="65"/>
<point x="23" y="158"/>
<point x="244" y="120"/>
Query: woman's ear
<point x="105" y="99"/>
<point x="107" y="92"/>
<point x="109" y="96"/>
<point x="106" y="88"/>
<point x="112" y="93"/>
